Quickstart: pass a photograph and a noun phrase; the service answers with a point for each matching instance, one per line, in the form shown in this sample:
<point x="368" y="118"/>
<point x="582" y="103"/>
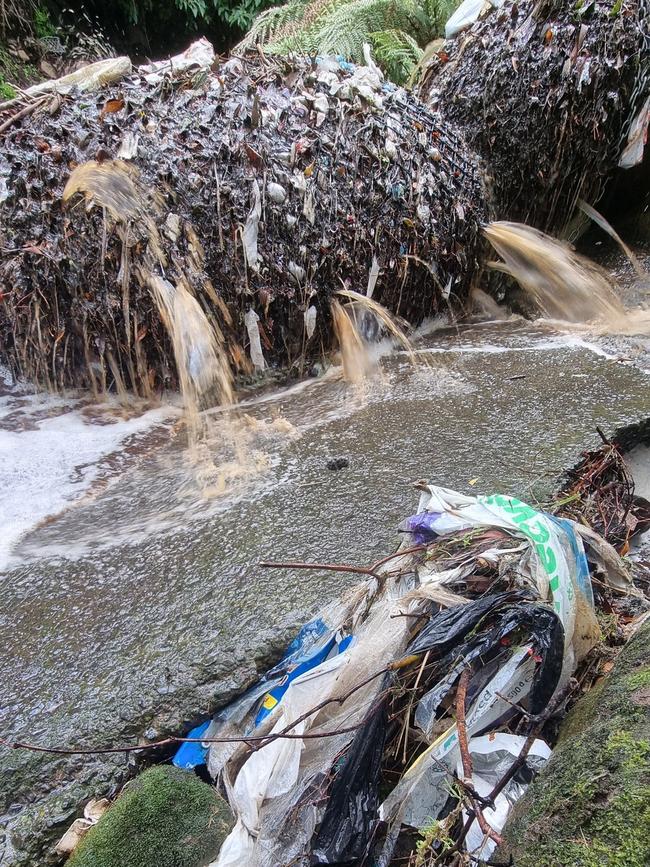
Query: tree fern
<point x="396" y="52"/>
<point x="397" y="30"/>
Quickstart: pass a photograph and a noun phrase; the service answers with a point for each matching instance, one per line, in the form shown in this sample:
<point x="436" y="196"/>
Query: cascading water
<point x="220" y="449"/>
<point x="564" y="284"/>
<point x="355" y="358"/>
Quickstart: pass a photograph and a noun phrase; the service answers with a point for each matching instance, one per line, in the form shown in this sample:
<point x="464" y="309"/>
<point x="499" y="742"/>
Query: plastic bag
<point x="543" y="642"/>
<point x="492" y="756"/>
<point x="466" y="14"/>
<point x="346" y="829"/>
<point x="557" y="560"/>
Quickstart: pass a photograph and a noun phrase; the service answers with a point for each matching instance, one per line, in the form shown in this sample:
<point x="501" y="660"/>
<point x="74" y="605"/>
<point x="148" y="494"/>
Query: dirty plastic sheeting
<point x="316" y="799"/>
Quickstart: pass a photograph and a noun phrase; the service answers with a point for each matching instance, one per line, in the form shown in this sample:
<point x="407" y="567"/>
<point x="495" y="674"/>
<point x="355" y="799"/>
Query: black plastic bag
<point x="351" y="814"/>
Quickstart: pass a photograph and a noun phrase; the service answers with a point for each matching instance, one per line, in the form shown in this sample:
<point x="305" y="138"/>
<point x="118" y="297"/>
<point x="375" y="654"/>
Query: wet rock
<point x="48" y="791"/>
<point x="338" y="463"/>
<point x="591" y="803"/>
<point x="164" y="818"/>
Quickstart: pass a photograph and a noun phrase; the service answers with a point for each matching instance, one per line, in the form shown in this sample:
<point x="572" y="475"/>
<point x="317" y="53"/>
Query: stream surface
<point x="133" y="603"/>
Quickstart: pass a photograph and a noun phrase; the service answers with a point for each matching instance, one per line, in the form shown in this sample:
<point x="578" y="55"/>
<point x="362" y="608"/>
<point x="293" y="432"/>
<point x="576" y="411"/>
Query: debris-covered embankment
<point x="256" y="186"/>
<point x="547" y="93"/>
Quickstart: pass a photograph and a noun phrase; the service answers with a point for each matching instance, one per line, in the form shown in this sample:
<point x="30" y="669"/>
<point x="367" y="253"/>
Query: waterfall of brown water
<point x="221" y="451"/>
<point x="355" y="358"/>
<point x="564" y="284"/>
<point x="363" y="302"/>
<point x="203" y="370"/>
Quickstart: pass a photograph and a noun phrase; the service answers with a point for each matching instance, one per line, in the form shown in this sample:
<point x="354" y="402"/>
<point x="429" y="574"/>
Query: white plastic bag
<point x="466" y="14"/>
<point x="492" y="756"/>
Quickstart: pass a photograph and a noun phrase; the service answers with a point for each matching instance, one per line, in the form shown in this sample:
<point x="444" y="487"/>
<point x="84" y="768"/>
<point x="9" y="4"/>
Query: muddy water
<point x="142" y="607"/>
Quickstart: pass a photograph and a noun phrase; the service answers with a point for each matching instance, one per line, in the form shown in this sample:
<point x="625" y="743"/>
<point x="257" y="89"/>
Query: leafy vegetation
<point x="6" y="90"/>
<point x="43" y="26"/>
<point x="192" y="14"/>
<point x="397" y="30"/>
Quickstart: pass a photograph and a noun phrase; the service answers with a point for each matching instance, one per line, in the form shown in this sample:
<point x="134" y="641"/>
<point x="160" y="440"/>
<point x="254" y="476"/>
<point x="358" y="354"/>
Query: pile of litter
<point x="407" y="718"/>
<point x="552" y="95"/>
<point x="257" y="187"/>
<point x="599" y="490"/>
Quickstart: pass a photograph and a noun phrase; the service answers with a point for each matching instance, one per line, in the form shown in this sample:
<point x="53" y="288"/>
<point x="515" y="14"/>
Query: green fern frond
<point x="396" y="52"/>
<point x="270" y="22"/>
<point x="395" y="28"/>
<point x="438" y="12"/>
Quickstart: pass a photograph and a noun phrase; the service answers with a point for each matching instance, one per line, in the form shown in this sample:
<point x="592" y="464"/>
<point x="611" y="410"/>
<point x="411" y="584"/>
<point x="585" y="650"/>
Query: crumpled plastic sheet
<point x="345" y="832"/>
<point x="544" y="642"/>
<point x="557" y="560"/>
<point x="87" y="79"/>
<point x="297" y="799"/>
<point x="467" y="13"/>
<point x="492" y="756"/>
<point x="275" y="822"/>
<point x="200" y="55"/>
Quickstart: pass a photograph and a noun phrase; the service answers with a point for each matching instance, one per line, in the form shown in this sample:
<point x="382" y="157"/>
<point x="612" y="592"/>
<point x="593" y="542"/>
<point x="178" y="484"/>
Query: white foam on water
<point x="488" y="348"/>
<point x="46" y="469"/>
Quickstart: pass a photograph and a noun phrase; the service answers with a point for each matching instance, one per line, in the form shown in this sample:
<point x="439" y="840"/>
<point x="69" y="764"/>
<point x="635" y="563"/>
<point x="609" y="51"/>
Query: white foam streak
<point x="45" y="469"/>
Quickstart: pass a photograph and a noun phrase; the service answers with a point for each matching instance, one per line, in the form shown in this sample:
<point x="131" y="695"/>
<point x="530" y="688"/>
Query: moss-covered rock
<point x="590" y="807"/>
<point x="164" y="818"/>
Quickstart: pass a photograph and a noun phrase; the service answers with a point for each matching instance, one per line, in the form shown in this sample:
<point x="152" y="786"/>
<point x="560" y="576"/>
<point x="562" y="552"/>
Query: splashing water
<point x="382" y="315"/>
<point x="564" y="284"/>
<point x="357" y="360"/>
<point x="355" y="357"/>
<point x="599" y="220"/>
<point x="220" y="451"/>
<point x="112" y="184"/>
<point x="203" y="370"/>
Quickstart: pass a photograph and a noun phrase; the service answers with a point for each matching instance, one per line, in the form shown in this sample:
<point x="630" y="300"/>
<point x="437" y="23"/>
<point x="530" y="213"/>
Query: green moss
<point x="639" y="679"/>
<point x="6" y="90"/>
<point x="9" y="66"/>
<point x="590" y="807"/>
<point x="631" y="753"/>
<point x="43" y="26"/>
<point x="582" y="714"/>
<point x="165" y="818"/>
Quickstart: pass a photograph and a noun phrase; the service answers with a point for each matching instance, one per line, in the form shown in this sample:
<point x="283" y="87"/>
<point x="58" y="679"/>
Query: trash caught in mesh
<point x="553" y="96"/>
<point x="256" y="188"/>
<point x="413" y="708"/>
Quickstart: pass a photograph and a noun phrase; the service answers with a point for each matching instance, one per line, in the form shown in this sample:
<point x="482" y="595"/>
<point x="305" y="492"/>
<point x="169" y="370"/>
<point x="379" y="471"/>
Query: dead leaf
<point x="253" y="156"/>
<point x="111" y="106"/>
